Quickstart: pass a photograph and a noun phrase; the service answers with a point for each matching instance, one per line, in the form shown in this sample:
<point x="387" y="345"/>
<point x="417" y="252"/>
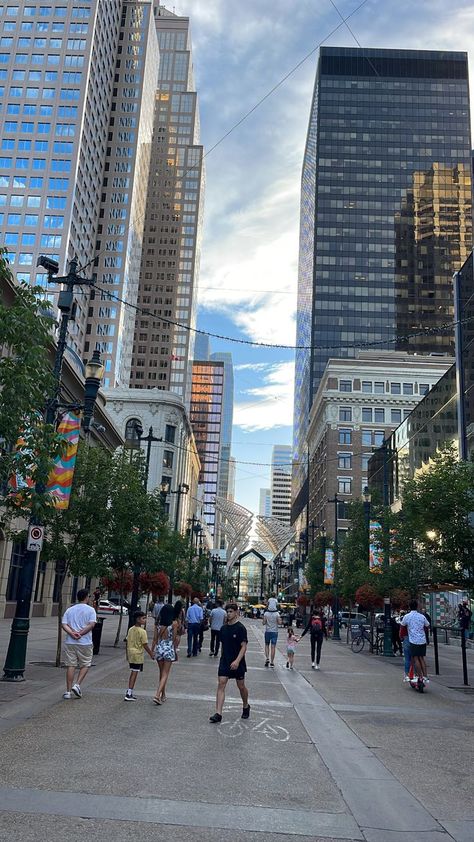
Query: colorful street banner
<point x="375" y="551"/>
<point x="60" y="479"/>
<point x="329" y="567"/>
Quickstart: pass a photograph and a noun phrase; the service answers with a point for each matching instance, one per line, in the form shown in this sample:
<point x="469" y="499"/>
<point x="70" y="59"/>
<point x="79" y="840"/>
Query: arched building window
<point x="133" y="429"/>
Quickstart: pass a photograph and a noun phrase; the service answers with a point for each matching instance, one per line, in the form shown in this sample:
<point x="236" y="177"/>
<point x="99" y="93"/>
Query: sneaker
<point x="406" y="679"/>
<point x="313" y="666"/>
<point x="291" y="668"/>
<point x="129" y="697"/>
<point x="67" y="695"/>
<point x="287" y="665"/>
<point x="211" y="654"/>
<point x="245" y="712"/>
<point x="215" y="718"/>
<point x="216" y="654"/>
<point x="316" y="667"/>
<point x="272" y="664"/>
<point x="77" y="691"/>
<point x="267" y="662"/>
<point x="425" y="680"/>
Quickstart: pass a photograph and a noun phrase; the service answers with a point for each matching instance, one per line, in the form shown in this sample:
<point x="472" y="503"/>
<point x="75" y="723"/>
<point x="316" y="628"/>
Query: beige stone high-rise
<point x="163" y="343"/>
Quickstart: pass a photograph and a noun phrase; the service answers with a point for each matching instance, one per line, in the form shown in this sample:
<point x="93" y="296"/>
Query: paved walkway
<point x="348" y="752"/>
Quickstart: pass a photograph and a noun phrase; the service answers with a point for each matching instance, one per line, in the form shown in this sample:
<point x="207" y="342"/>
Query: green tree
<point x="434" y="540"/>
<point x="26" y="380"/>
<point x="314" y="570"/>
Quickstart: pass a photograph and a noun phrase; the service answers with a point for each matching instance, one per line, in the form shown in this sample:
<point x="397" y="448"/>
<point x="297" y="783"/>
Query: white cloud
<point x="270" y="404"/>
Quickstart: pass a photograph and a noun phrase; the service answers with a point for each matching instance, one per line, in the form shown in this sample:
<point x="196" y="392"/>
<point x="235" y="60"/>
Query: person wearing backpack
<point x="316" y="626"/>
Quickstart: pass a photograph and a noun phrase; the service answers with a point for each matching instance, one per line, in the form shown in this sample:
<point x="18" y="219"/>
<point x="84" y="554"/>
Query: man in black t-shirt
<point x="232" y="663"/>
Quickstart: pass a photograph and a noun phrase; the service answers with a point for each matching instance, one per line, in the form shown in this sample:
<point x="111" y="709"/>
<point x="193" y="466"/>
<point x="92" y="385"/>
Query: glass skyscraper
<point x="386" y="212"/>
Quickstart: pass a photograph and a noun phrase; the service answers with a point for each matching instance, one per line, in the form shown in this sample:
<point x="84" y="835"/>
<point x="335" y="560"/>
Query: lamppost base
<point x="16" y="677"/>
<point x="15" y="662"/>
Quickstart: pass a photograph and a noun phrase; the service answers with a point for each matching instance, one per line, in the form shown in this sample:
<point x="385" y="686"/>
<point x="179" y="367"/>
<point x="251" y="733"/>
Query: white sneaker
<point x="316" y="667"/>
<point x="77" y="691"/>
<point x="67" y="695"/>
<point x="313" y="666"/>
<point x="426" y="680"/>
<point x="291" y="667"/>
<point x="129" y="697"/>
<point x="406" y="679"/>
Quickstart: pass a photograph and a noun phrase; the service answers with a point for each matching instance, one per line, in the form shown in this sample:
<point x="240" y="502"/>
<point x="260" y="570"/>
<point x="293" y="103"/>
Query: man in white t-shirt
<point x="416" y="624"/>
<point x="216" y="620"/>
<point x="78" y="622"/>
<point x="272" y="622"/>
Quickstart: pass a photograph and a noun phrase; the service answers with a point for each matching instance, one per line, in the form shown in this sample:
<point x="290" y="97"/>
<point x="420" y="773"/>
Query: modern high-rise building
<point x="265" y="502"/>
<point x="120" y="238"/>
<point x="57" y="64"/>
<point x="163" y="343"/>
<point x="385" y="213"/>
<point x="206" y="420"/>
<point x="227" y="419"/>
<point x="280" y="491"/>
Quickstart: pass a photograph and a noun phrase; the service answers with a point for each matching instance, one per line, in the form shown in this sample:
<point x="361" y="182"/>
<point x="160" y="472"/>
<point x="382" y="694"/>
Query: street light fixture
<point x="336" y="635"/>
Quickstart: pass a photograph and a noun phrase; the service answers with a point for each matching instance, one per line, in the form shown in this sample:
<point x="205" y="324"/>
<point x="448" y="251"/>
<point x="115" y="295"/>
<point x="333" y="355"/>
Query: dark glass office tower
<point x="386" y="210"/>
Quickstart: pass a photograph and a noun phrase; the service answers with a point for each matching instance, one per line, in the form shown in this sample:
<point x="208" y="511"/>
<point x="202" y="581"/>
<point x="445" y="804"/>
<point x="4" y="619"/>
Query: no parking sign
<point x="35" y="538"/>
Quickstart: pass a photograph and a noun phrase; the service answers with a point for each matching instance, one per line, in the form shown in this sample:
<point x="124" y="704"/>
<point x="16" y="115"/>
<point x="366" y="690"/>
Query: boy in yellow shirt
<point x="137" y="644"/>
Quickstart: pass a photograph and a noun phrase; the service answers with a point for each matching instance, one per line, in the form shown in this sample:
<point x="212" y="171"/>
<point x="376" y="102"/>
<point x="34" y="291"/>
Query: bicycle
<point x="359" y="638"/>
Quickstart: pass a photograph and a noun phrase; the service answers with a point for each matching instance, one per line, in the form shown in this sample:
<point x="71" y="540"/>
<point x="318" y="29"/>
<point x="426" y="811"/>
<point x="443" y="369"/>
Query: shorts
<point x="271" y="637"/>
<point x="136" y="667"/>
<point x="290" y="650"/>
<point x="77" y="655"/>
<point x="225" y="671"/>
<point x="418" y="649"/>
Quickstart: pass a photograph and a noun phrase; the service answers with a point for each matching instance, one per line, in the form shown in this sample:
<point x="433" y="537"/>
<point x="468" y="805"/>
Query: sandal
<point x="156" y="701"/>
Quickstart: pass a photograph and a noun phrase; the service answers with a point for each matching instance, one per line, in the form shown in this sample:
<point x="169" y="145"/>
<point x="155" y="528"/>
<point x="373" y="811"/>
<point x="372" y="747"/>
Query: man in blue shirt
<point x="194" y="618"/>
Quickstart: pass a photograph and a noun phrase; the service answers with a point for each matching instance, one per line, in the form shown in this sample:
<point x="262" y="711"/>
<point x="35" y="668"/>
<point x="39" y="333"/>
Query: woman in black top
<point x="317" y="628"/>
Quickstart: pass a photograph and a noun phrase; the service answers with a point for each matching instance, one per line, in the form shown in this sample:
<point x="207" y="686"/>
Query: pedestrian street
<point x="348" y="752"/>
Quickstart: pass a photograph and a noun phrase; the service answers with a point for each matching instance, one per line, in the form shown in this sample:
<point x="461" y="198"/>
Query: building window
<point x="395" y="388"/>
<point x="16" y="563"/>
<point x="424" y="388"/>
<point x="379" y="388"/>
<point x="408" y="388"/>
<point x="344" y="485"/>
<point x="367" y="414"/>
<point x="131" y="429"/>
<point x="367" y="438"/>
<point x="345" y="413"/>
<point x="395" y="416"/>
<point x="168" y="460"/>
<point x="379" y="416"/>
<point x="345" y="385"/>
<point x="170" y="433"/>
<point x="344" y="460"/>
<point x="379" y="437"/>
<point x="367" y="387"/>
<point x="344" y="436"/>
<point x="365" y="461"/>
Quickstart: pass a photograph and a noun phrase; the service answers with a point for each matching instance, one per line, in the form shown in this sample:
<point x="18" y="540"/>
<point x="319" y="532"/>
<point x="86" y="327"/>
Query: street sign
<point x="35" y="538"/>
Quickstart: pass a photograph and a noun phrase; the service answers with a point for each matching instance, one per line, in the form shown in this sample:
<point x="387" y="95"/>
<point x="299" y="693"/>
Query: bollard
<point x="464" y="658"/>
<point x="435" y="647"/>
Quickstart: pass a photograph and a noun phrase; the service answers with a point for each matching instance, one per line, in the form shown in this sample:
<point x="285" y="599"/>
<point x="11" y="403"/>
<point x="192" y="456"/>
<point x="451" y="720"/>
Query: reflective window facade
<point x="206" y="421"/>
<point x="385" y="210"/>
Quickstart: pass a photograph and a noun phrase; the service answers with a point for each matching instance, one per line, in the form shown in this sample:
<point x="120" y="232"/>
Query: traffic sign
<point x="35" y="538"/>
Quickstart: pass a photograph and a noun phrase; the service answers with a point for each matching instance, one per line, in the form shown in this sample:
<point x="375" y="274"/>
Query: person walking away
<point x="157" y="609"/>
<point x="217" y="619"/>
<point x="291" y="644"/>
<point x="271" y="621"/>
<point x="316" y="626"/>
<point x="194" y="618"/>
<point x="465" y="615"/>
<point x="204" y="627"/>
<point x="165" y="640"/>
<point x="181" y="620"/>
<point x="78" y="621"/>
<point x="395" y="629"/>
<point x="406" y="650"/>
<point x="232" y="662"/>
<point x="416" y="624"/>
<point x="137" y="644"/>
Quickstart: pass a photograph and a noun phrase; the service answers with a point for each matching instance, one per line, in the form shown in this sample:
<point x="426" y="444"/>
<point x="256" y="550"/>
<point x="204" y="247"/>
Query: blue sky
<point x="249" y="257"/>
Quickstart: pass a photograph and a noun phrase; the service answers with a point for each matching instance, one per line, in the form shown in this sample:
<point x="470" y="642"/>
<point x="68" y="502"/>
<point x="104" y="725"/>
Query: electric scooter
<point x="416" y="681"/>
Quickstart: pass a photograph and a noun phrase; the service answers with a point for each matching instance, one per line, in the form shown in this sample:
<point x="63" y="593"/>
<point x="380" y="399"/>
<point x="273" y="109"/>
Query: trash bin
<point x="97" y="634"/>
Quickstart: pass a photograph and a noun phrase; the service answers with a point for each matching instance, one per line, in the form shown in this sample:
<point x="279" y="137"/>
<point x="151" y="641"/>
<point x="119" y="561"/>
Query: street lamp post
<point x="262" y="573"/>
<point x="336" y="635"/>
<point x="367" y="502"/>
<point x="387" y="631"/>
<point x="14" y="669"/>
